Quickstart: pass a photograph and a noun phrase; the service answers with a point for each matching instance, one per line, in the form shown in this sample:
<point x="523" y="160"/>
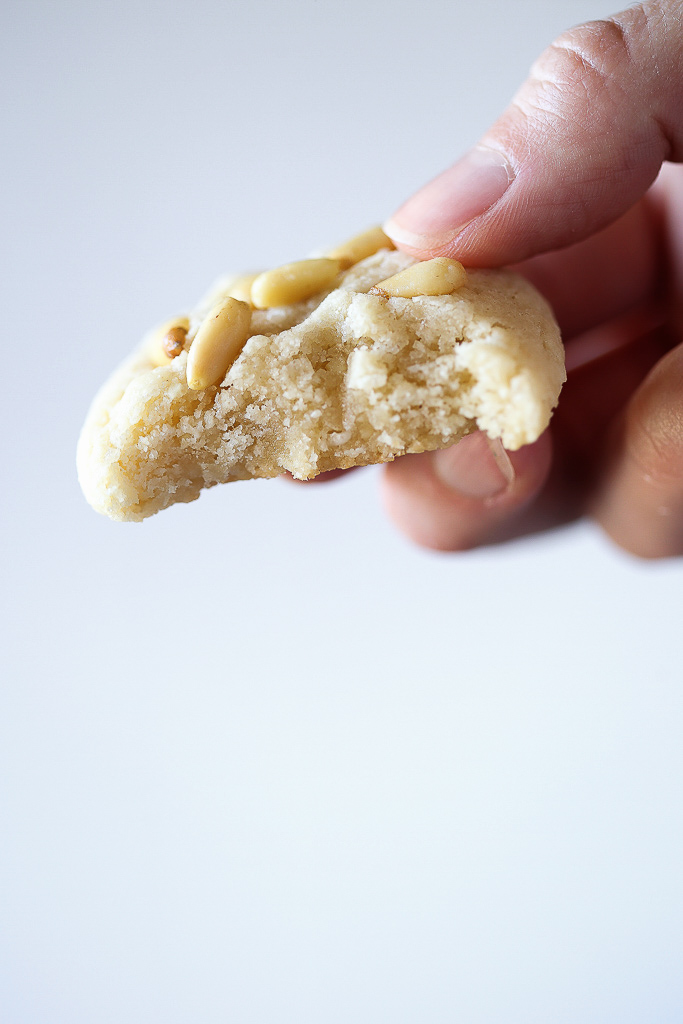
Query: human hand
<point x="562" y="186"/>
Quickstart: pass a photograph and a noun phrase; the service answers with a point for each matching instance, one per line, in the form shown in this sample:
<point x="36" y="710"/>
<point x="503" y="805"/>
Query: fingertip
<point x="639" y="502"/>
<point x="464" y="496"/>
<point x="432" y="219"/>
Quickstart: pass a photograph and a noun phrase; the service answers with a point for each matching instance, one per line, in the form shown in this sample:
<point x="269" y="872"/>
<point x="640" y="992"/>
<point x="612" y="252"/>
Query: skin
<point x="593" y="215"/>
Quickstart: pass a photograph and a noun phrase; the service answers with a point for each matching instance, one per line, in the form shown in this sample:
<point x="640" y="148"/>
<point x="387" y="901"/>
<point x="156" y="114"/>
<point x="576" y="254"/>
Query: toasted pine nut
<point x="293" y="282"/>
<point x="157" y="349"/>
<point x="241" y="288"/>
<point x="217" y="343"/>
<point x="358" y="248"/>
<point x="173" y="341"/>
<point x="439" y="276"/>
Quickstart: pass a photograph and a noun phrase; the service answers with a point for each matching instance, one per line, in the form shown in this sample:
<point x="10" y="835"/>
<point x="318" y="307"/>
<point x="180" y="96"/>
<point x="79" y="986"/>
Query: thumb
<point x="580" y="143"/>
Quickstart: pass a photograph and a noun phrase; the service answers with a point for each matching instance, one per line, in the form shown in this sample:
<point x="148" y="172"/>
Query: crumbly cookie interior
<point x="344" y="379"/>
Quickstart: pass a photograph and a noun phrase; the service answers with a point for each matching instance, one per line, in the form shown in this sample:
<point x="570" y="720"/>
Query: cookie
<point x="354" y="374"/>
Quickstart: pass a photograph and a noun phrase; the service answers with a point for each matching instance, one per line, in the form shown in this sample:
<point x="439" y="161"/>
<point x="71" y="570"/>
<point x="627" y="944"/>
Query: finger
<point x="604" y="276"/>
<point x="614" y="335"/>
<point x="597" y="390"/>
<point x="581" y="142"/>
<point x="463" y="496"/>
<point x="640" y="499"/>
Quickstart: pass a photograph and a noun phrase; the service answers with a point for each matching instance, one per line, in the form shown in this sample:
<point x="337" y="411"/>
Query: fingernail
<point x="476" y="467"/>
<point x="438" y="213"/>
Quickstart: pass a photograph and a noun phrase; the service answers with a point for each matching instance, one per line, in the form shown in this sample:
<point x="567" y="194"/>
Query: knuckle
<point x="576" y="89"/>
<point x="589" y="57"/>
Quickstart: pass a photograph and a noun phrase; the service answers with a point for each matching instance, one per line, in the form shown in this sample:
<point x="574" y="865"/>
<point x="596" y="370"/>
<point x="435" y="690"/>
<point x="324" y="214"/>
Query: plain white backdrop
<point x="261" y="760"/>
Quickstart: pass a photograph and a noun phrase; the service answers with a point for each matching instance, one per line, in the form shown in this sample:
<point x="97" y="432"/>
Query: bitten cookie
<point x="312" y="368"/>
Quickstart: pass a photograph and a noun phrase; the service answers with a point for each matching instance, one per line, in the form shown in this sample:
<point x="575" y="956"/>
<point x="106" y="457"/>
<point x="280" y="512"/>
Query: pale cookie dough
<point x="344" y="379"/>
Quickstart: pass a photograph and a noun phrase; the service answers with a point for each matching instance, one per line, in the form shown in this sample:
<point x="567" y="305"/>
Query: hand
<point x="562" y="186"/>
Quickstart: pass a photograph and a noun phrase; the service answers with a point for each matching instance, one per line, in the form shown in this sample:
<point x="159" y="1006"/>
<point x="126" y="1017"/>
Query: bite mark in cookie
<point x="350" y="375"/>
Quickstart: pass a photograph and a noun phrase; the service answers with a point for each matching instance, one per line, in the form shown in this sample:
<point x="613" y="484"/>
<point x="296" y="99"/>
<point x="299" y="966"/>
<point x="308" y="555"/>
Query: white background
<point x="261" y="760"/>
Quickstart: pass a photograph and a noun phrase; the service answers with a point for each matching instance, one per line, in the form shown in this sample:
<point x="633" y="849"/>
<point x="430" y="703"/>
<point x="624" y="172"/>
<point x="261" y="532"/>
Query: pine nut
<point x="439" y="276"/>
<point x="293" y="282"/>
<point x="217" y="343"/>
<point x="241" y="288"/>
<point x="358" y="248"/>
<point x="158" y="351"/>
<point x="173" y="341"/>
